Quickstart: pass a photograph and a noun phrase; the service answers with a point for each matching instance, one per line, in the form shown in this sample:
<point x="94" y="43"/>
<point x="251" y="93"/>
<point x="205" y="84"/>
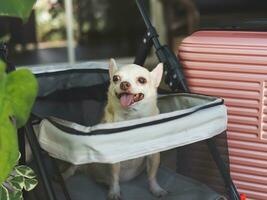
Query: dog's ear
<point x="157" y="74"/>
<point x="112" y="67"/>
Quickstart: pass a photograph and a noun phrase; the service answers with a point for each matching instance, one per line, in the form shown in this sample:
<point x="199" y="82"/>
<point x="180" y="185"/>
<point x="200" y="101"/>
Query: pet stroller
<point x="65" y="125"/>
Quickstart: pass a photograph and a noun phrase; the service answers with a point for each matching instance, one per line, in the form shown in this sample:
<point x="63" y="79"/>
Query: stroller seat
<point x="69" y="107"/>
<point x="179" y="187"/>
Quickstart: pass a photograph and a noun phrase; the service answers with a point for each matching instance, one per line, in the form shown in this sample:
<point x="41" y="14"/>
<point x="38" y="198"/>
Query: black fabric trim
<point x="70" y="71"/>
<point x="116" y="130"/>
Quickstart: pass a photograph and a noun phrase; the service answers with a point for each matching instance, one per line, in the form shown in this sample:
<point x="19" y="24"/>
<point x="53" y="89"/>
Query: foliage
<point x="16" y="8"/>
<point x="18" y="90"/>
<point x="17" y="94"/>
<point x="51" y="20"/>
<point x="21" y="178"/>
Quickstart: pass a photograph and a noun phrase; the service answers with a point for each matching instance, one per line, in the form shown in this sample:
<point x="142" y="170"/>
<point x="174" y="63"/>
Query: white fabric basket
<point x="184" y="119"/>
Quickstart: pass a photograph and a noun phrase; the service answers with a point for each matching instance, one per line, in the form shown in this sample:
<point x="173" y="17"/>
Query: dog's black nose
<point x="125" y="85"/>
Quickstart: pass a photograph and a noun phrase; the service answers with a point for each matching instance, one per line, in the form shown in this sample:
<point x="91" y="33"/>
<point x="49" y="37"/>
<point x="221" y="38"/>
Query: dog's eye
<point x="142" y="80"/>
<point x="116" y="78"/>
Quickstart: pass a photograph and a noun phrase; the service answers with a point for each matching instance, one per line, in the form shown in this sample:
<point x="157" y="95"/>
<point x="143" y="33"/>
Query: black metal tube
<point x="143" y="12"/>
<point x="150" y="28"/>
<point x="156" y="43"/>
<point x="36" y="151"/>
<point x="174" y="75"/>
<point x="21" y="141"/>
<point x="22" y="160"/>
<point x="3" y="52"/>
<point x="143" y="50"/>
<point x="3" y="56"/>
<point x="234" y="195"/>
<point x="61" y="180"/>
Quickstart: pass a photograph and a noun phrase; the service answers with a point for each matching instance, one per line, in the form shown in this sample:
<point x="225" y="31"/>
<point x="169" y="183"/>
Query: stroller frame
<point x="173" y="77"/>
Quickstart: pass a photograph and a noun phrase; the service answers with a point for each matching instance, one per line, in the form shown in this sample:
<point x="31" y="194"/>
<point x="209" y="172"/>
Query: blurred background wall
<point x="114" y="28"/>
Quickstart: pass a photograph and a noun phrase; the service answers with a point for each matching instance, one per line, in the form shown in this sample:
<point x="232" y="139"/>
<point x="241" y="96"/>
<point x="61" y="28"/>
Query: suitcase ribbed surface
<point x="233" y="65"/>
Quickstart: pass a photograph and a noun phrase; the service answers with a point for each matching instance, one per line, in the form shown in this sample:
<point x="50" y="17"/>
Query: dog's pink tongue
<point x="126" y="100"/>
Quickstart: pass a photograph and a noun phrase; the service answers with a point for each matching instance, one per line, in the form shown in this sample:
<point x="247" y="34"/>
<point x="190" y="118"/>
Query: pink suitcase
<point x="233" y="65"/>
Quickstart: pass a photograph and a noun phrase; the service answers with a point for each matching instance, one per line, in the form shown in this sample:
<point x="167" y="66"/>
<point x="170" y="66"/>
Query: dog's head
<point x="132" y="85"/>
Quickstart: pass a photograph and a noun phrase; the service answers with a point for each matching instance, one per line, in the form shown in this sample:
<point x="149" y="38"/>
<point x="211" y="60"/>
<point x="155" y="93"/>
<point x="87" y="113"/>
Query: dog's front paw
<point x="114" y="196"/>
<point x="157" y="191"/>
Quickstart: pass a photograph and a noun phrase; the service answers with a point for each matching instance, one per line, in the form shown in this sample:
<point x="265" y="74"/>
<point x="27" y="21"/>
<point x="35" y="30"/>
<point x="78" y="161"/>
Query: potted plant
<point x="18" y="90"/>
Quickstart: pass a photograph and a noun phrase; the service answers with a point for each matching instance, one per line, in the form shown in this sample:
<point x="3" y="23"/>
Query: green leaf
<point x="16" y="8"/>
<point x="4" y="195"/>
<point x="30" y="184"/>
<point x="17" y="195"/>
<point x="21" y="90"/>
<point x="18" y="157"/>
<point x="25" y="171"/>
<point x="17" y="94"/>
<point x="8" y="143"/>
<point x="17" y="183"/>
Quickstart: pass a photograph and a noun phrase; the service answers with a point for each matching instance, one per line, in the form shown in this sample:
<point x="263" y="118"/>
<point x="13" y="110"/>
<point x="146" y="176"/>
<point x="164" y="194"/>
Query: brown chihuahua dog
<point x="132" y="94"/>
